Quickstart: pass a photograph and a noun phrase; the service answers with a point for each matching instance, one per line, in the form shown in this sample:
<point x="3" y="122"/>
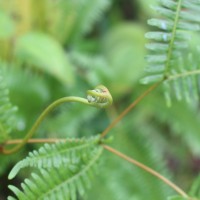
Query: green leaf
<point x="45" y="53"/>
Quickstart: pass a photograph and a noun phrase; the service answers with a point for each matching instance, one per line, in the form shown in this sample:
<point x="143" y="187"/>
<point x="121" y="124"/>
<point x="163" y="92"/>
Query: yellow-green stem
<point x="36" y="140"/>
<point x="41" y="118"/>
<point x="99" y="97"/>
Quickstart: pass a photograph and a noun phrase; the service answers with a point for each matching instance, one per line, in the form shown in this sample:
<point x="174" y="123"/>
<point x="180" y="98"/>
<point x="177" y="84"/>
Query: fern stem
<point x="169" y="54"/>
<point x="129" y="108"/>
<point x="36" y="140"/>
<point x="147" y="169"/>
<point x="99" y="97"/>
<point x="189" y="73"/>
<point x="41" y="118"/>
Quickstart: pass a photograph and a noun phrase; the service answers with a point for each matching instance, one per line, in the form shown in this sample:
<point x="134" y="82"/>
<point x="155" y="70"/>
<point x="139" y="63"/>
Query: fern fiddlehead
<point x="99" y="97"/>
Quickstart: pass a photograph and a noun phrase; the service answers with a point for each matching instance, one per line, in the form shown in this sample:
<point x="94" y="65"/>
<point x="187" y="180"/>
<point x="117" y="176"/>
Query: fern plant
<point x="170" y="49"/>
<point x="63" y="170"/>
<point x="56" y="155"/>
<point x="7" y="111"/>
<point x="69" y="166"/>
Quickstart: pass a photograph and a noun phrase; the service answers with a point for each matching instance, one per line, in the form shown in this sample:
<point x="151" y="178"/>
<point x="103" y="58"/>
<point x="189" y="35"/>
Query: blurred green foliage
<point x="55" y="48"/>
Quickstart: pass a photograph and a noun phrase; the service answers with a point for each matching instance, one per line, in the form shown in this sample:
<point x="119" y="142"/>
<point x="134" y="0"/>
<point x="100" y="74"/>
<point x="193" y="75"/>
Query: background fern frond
<point x="87" y="14"/>
<point x="7" y="110"/>
<point x="122" y="180"/>
<point x="63" y="182"/>
<point x="168" y="43"/>
<point x="94" y="66"/>
<point x="195" y="189"/>
<point x="183" y="82"/>
<point x="55" y="155"/>
<point x="172" y="43"/>
<point x="182" y="111"/>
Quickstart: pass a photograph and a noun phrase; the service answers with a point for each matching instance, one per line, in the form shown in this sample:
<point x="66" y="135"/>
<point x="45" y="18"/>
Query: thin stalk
<point x="36" y="140"/>
<point x="147" y="169"/>
<point x="129" y="108"/>
<point x="99" y="97"/>
<point x="41" y="118"/>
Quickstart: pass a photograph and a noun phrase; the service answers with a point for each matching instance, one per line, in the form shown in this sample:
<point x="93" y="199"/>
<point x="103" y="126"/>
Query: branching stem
<point x="147" y="169"/>
<point x="106" y="95"/>
<point x="21" y="142"/>
<point x="99" y="97"/>
<point x="129" y="108"/>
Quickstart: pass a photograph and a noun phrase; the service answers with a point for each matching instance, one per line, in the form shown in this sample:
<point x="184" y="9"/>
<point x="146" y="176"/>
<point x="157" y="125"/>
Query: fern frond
<point x="96" y="67"/>
<point x="55" y="155"/>
<point x="89" y="12"/>
<point x="63" y="182"/>
<point x="179" y="17"/>
<point x="88" y="61"/>
<point x="195" y="189"/>
<point x="7" y="111"/>
<point x="183" y="82"/>
<point x="115" y="186"/>
<point x="182" y="111"/>
<point x="171" y="44"/>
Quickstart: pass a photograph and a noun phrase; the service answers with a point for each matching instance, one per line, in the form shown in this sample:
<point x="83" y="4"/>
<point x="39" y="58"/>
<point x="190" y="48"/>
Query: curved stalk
<point x="147" y="169"/>
<point x="41" y="118"/>
<point x="99" y="97"/>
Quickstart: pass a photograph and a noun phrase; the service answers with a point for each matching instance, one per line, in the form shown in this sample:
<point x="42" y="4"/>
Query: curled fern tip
<point x="99" y="97"/>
